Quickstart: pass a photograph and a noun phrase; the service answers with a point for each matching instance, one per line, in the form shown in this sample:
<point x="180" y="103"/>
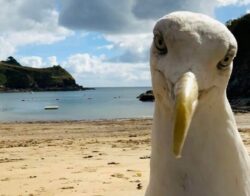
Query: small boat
<point x="51" y="107"/>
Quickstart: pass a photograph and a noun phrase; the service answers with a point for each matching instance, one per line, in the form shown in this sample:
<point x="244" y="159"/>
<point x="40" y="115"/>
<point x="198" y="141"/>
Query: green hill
<point x="15" y="77"/>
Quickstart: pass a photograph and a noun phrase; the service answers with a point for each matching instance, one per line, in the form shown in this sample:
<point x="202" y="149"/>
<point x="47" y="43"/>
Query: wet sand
<point x="92" y="158"/>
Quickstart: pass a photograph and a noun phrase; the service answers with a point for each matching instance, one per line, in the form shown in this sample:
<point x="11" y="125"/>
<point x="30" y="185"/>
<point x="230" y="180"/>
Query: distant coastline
<point x="15" y="77"/>
<point x="6" y="90"/>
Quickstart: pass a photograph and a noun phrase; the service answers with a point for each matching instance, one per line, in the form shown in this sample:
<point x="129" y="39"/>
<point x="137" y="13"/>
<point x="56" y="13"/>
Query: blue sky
<point x="226" y="13"/>
<point x="101" y="43"/>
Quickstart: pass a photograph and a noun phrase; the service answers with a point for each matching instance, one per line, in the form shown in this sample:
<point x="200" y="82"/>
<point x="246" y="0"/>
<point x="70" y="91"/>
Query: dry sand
<point x="95" y="158"/>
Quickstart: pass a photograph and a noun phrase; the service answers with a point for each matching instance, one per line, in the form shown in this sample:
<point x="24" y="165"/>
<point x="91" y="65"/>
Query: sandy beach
<point x="92" y="158"/>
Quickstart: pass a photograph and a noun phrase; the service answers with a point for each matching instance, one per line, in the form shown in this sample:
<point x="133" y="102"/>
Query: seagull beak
<point x="186" y="97"/>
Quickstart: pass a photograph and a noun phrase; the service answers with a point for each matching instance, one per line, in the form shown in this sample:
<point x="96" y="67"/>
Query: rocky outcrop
<point x="147" y="96"/>
<point x="239" y="85"/>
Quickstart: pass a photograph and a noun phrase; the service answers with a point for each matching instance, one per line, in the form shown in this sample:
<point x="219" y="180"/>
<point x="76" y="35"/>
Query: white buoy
<point x="51" y="107"/>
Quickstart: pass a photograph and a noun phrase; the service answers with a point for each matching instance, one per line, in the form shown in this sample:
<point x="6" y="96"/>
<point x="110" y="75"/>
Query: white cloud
<point x="91" y="70"/>
<point x="157" y="8"/>
<point x="233" y="2"/>
<point x="134" y="47"/>
<point x="130" y="16"/>
<point x="84" y="63"/>
<point x="32" y="61"/>
<point x="38" y="62"/>
<point x="108" y="46"/>
<point x="126" y="41"/>
<point x="95" y="70"/>
<point x="52" y="60"/>
<point x="105" y="16"/>
<point x="6" y="48"/>
<point x="25" y="22"/>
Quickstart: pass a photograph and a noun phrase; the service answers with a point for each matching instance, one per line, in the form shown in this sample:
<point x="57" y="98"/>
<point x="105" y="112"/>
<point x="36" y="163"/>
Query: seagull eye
<point x="160" y="44"/>
<point x="224" y="63"/>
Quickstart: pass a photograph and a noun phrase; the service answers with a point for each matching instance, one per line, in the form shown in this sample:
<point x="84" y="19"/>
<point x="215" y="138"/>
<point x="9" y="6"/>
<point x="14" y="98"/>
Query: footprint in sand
<point x="67" y="187"/>
<point x="145" y="157"/>
<point x="136" y="172"/>
<point x="106" y="182"/>
<point x="119" y="175"/>
<point x="90" y="169"/>
<point x="62" y="178"/>
<point x="113" y="163"/>
<point x="5" y="179"/>
<point x="88" y="157"/>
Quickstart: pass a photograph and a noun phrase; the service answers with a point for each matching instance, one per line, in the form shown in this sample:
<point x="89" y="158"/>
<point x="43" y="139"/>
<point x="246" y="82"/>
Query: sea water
<point x="102" y="103"/>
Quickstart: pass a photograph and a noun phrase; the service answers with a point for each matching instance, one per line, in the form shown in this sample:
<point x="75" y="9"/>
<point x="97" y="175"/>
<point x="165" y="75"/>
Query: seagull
<point x="196" y="148"/>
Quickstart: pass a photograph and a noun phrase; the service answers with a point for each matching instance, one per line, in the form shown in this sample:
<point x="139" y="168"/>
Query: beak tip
<point x="177" y="156"/>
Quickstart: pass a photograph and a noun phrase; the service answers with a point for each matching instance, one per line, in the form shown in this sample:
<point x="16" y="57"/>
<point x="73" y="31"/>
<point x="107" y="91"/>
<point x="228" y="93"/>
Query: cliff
<point x="15" y="77"/>
<point x="239" y="85"/>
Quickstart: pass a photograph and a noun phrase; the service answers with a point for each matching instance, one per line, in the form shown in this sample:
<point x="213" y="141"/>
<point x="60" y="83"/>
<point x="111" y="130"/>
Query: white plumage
<point x="192" y="51"/>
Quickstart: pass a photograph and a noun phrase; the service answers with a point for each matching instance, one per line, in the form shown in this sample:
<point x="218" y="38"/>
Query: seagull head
<point x="190" y="54"/>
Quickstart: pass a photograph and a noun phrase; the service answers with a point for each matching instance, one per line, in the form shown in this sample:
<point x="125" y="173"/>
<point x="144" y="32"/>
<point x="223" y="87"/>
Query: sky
<point x="101" y="43"/>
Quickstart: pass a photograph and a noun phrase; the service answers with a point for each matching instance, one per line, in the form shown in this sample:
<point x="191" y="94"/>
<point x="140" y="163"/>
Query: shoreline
<point x="236" y="114"/>
<point x="75" y="121"/>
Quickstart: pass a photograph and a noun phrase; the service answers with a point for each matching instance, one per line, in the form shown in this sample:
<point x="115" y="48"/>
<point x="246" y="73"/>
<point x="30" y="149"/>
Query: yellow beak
<point x="186" y="97"/>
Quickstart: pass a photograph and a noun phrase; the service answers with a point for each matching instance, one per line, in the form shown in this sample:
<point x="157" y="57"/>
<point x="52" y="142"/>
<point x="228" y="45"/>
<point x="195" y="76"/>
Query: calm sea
<point x="102" y="103"/>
